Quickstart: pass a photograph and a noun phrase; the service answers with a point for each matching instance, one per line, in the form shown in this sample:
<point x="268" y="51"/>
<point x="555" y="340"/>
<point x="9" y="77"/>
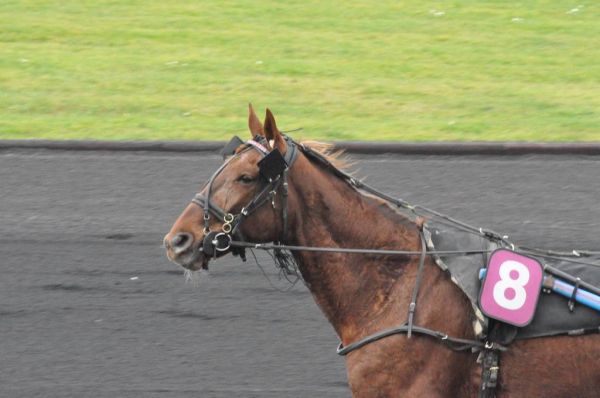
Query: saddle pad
<point x="552" y="316"/>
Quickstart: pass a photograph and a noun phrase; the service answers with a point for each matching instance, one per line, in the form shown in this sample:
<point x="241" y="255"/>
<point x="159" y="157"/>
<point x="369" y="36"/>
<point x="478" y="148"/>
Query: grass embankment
<point x="388" y="70"/>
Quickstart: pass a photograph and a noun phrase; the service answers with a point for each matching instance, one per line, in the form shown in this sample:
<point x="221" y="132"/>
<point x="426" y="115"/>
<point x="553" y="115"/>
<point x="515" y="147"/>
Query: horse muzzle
<point x="184" y="250"/>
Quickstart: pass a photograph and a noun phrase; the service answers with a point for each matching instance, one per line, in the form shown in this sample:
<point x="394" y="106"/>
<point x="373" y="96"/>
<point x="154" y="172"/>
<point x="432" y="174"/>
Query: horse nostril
<point x="181" y="242"/>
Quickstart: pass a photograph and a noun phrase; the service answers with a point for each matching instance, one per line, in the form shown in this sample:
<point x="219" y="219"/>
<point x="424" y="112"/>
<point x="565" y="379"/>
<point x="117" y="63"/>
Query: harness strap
<point x="572" y="299"/>
<point x="453" y="343"/>
<point x="284" y="197"/>
<point x="413" y="302"/>
<point x="490" y="366"/>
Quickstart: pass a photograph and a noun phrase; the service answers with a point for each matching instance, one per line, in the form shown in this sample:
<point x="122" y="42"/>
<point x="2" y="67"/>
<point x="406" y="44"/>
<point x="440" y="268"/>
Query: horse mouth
<point x="193" y="260"/>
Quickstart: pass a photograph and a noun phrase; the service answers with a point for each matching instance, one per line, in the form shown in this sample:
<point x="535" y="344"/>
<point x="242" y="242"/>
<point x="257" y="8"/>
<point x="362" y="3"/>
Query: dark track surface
<point x="75" y="227"/>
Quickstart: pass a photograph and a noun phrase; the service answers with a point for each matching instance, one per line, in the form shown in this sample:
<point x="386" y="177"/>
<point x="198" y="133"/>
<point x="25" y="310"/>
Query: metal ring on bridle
<point x="227" y="228"/>
<point x="216" y="242"/>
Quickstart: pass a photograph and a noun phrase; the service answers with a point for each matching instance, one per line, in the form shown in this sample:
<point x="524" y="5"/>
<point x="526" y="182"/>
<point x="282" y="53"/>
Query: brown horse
<point x="361" y="294"/>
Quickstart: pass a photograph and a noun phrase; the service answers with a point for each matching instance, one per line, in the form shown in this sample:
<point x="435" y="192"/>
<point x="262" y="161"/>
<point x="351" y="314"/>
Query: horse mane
<point x="337" y="157"/>
<point x="283" y="259"/>
<point x="340" y="160"/>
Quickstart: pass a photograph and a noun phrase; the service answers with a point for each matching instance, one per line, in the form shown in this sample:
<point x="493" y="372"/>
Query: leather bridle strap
<point x="258" y="201"/>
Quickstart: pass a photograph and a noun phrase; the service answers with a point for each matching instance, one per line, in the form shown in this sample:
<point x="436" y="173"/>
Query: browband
<point x="260" y="147"/>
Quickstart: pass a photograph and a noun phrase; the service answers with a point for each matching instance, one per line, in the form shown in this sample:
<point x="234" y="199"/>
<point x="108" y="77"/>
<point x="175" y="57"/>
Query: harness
<point x="274" y="168"/>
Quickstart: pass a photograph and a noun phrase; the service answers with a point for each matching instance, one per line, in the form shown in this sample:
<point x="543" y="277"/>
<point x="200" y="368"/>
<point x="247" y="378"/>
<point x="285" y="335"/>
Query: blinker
<point x="231" y="146"/>
<point x="272" y="165"/>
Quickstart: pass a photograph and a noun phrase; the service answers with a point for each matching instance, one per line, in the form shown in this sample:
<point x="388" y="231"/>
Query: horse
<point x="361" y="294"/>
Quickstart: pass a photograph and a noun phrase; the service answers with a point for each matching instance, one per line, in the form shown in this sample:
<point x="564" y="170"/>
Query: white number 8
<point x="517" y="285"/>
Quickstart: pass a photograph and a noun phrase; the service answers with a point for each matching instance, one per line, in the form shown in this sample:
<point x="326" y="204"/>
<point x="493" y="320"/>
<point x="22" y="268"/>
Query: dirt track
<point x="89" y="305"/>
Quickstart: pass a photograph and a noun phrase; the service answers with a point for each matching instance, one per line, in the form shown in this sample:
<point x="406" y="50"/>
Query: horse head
<point x="245" y="199"/>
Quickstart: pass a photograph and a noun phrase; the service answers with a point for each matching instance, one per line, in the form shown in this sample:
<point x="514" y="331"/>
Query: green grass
<point x="386" y="70"/>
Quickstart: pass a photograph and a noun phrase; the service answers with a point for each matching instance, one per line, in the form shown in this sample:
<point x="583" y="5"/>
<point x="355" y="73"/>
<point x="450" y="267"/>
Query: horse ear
<point x="273" y="134"/>
<point x="255" y="126"/>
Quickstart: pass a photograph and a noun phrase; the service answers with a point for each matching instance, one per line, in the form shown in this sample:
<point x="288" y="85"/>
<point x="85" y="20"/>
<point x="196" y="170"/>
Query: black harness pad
<point x="231" y="146"/>
<point x="552" y="316"/>
<point x="272" y="165"/>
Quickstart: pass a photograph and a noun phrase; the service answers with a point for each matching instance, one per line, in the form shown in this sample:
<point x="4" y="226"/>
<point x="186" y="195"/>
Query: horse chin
<point x="200" y="262"/>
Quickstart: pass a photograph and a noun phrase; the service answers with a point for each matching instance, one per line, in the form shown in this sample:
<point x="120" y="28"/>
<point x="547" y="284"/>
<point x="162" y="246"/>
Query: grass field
<point x="386" y="70"/>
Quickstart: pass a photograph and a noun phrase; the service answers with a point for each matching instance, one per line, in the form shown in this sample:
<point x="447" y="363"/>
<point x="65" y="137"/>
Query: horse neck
<point x="351" y="289"/>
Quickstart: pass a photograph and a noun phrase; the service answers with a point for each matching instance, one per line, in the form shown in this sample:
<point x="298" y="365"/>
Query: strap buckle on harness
<point x="574" y="295"/>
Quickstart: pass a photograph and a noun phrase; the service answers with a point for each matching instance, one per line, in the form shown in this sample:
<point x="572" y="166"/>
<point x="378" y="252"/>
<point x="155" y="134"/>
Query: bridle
<point x="273" y="168"/>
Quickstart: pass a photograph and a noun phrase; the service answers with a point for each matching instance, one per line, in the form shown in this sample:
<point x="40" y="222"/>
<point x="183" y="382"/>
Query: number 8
<point x="506" y="282"/>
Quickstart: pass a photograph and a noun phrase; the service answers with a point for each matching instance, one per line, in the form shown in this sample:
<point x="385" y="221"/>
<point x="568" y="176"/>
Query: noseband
<point x="273" y="168"/>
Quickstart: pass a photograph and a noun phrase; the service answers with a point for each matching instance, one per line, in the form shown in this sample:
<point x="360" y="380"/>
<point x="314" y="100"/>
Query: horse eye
<point x="246" y="179"/>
